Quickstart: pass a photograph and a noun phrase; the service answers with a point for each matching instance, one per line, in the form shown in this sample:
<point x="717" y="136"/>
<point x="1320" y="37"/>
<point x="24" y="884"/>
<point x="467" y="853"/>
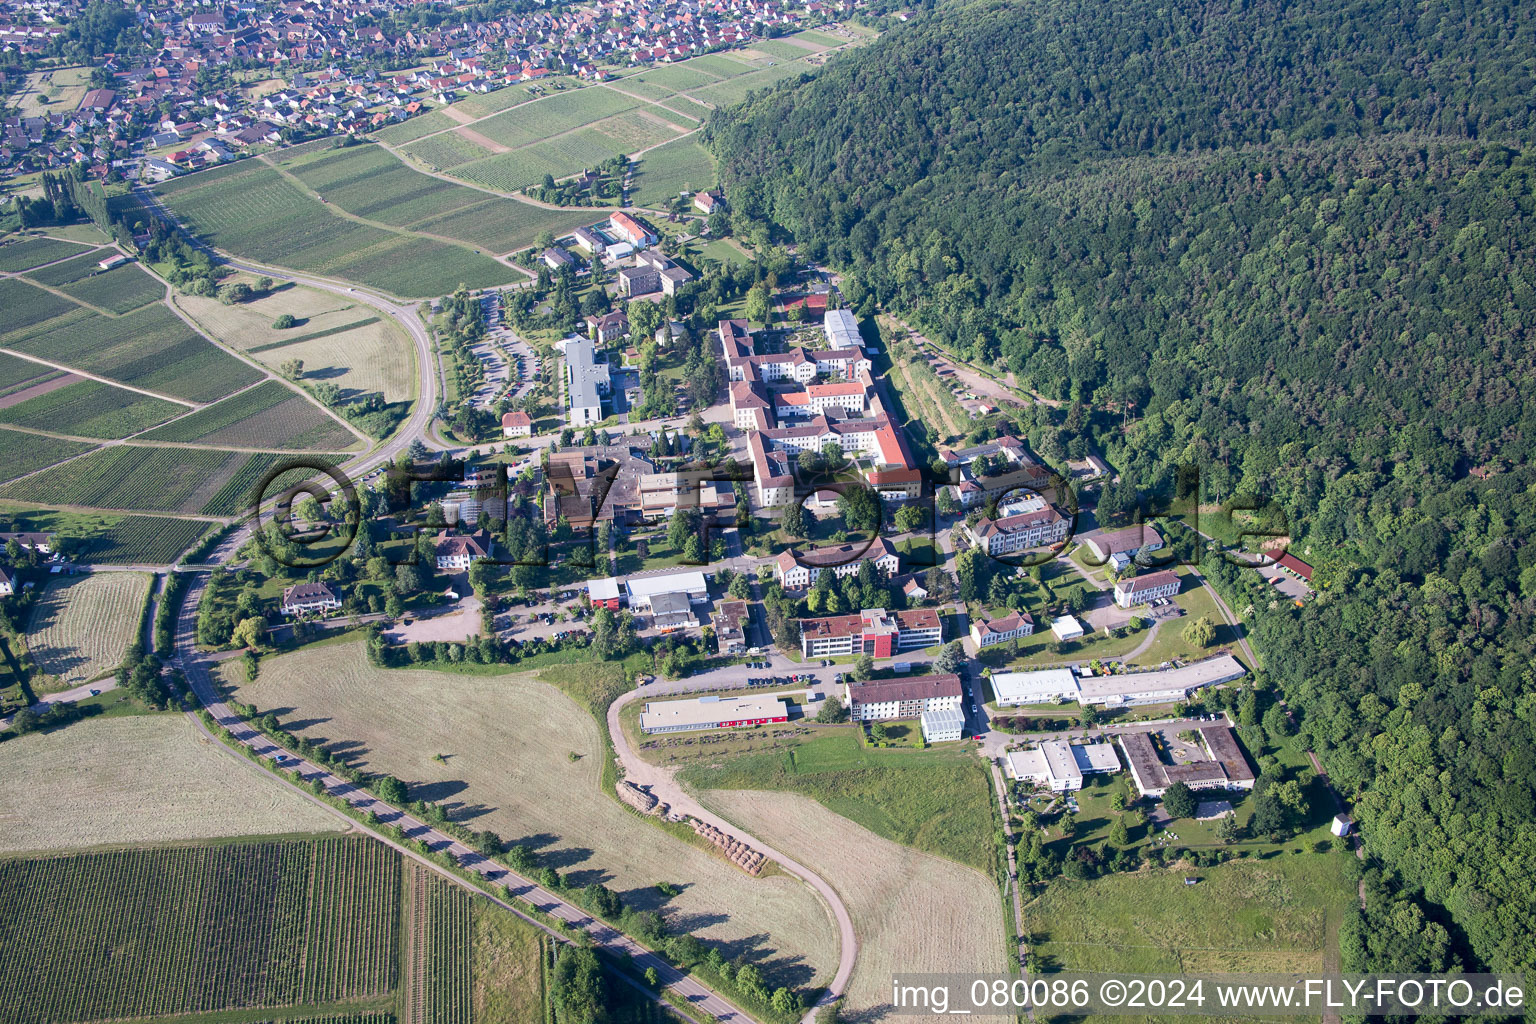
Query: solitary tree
<point x="1179" y="801"/>
<point x="1199" y="633"/>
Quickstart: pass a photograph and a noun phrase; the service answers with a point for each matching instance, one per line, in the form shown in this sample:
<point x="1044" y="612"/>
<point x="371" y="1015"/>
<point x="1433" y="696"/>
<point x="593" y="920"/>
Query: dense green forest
<point x="1293" y="244"/>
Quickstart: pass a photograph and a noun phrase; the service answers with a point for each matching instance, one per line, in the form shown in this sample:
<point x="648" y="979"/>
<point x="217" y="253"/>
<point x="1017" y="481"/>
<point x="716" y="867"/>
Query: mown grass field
<point x="144" y="779"/>
<point x="82" y="625"/>
<point x="269" y="415"/>
<point x="912" y="912"/>
<point x="342" y="342"/>
<point x="505" y="950"/>
<point x="938" y="800"/>
<point x="154" y="932"/>
<point x="21" y="253"/>
<point x="678" y="166"/>
<point x="249" y="209"/>
<point x="89" y="408"/>
<point x="507" y="742"/>
<point x="22" y="453"/>
<point x="149" y="348"/>
<point x="142" y="478"/>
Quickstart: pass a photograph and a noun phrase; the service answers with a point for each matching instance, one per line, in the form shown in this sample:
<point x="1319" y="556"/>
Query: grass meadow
<point x="143" y="779"/>
<point x="939" y="800"/>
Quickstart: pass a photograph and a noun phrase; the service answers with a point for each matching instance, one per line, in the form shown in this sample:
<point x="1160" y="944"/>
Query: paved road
<point x="67" y="696"/>
<point x="195" y="665"/>
<point x="662" y="784"/>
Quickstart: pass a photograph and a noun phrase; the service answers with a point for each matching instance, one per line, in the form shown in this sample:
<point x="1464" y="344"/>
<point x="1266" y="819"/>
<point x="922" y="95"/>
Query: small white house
<point x="1342" y="825"/>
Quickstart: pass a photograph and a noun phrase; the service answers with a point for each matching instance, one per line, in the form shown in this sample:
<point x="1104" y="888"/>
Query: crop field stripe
<point x="22" y="453"/>
<point x="26" y="253"/>
<point x="313" y="335"/>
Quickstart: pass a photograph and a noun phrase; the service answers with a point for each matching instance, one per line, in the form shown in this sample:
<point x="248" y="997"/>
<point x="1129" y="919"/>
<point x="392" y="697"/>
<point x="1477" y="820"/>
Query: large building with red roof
<point x="875" y="631"/>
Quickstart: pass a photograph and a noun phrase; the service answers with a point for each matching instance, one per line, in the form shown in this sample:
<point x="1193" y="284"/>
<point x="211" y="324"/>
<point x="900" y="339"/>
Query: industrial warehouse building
<point x="1226" y="768"/>
<point x="902" y="698"/>
<point x="1061" y="765"/>
<point x="1057" y="685"/>
<point x="876" y="632"/>
<point x="942" y="725"/>
<point x="642" y="590"/>
<point x="712" y="713"/>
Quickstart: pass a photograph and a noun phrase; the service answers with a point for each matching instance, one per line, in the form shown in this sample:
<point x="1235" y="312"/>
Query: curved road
<point x="195" y="666"/>
<point x="663" y="785"/>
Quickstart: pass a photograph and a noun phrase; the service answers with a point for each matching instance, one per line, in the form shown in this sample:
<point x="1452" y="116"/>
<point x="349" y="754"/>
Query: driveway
<point x="463" y="623"/>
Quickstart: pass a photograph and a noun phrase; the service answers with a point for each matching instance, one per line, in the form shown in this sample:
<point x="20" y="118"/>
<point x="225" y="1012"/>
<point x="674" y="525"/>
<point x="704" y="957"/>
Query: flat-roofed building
<point x="1046" y="686"/>
<point x="842" y="329"/>
<point x="1225" y="768"/>
<point x="943" y="725"/>
<point x="1067" y="627"/>
<point x="672" y="611"/>
<point x="1140" y="590"/>
<point x="1061" y="765"/>
<point x="901" y="698"/>
<point x="1158" y="686"/>
<point x="875" y="631"/>
<point x="730" y="622"/>
<point x="586" y="381"/>
<point x="712" y="713"/>
<point x="641" y="589"/>
<point x="604" y="593"/>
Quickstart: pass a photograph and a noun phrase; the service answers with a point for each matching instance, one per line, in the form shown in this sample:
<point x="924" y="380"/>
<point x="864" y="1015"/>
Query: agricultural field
<point x="269" y="415"/>
<point x="16" y="374"/>
<point x="59" y="274"/>
<point x="21" y="253"/>
<point x="504" y="968"/>
<point x="416" y="127"/>
<point x="22" y="453"/>
<point x="735" y="90"/>
<point x="561" y="112"/>
<point x="250" y="209"/>
<point x="134" y="478"/>
<point x="448" y="149"/>
<point x="678" y="166"/>
<point x="912" y="912"/>
<point x="509" y="742"/>
<point x="939" y="801"/>
<point x="143" y="540"/>
<point x="1280" y="915"/>
<point x="435" y="985"/>
<point x="88" y="408"/>
<point x="343" y="342"/>
<point x="152" y="932"/>
<point x="81" y="625"/>
<point x="119" y="290"/>
<point x="368" y="181"/>
<point x="54" y="91"/>
<point x="149" y="348"/>
<point x="144" y="779"/>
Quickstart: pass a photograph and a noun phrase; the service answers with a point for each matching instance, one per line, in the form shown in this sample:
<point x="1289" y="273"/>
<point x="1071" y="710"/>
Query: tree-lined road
<point x="195" y="666"/>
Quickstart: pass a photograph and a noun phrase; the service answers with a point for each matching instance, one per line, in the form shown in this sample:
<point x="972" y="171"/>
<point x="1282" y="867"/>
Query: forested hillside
<point x="1295" y="244"/>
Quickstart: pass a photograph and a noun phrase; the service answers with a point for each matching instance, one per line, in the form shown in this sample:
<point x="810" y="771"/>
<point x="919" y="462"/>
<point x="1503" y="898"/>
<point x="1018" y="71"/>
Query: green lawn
<point x="937" y="800"/>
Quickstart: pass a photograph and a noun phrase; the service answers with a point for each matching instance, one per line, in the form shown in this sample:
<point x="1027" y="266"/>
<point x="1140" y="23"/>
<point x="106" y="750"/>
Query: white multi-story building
<point x="1139" y="590"/>
<point x="302" y="598"/>
<point x="902" y="698"/>
<point x="1016" y="533"/>
<point x="1014" y="626"/>
<point x="795" y="572"/>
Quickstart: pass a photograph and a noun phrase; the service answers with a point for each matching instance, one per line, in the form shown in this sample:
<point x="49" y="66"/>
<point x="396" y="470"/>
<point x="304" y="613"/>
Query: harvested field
<point x="19" y="253"/>
<point x="343" y="342"/>
<point x="507" y="742"/>
<point x="141" y="779"/>
<point x="82" y="624"/>
<point x="913" y="912"/>
<point x="269" y="415"/>
<point x="22" y="453"/>
<point x="87" y="408"/>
